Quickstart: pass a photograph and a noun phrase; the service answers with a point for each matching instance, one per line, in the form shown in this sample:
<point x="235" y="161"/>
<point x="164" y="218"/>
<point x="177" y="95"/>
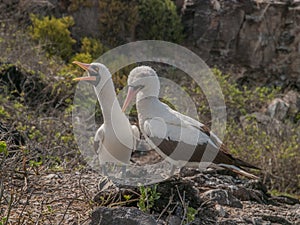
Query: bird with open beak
<point x="116" y="138"/>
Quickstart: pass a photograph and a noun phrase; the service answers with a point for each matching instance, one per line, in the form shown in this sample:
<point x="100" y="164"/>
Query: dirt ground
<point x="67" y="197"/>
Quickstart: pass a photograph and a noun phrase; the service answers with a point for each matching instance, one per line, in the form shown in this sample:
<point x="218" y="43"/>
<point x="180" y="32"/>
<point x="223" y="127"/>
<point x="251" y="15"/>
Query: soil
<point x="73" y="197"/>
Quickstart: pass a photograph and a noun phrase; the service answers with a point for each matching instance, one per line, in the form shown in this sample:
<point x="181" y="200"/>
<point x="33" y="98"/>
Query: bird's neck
<point x="143" y="101"/>
<point x="108" y="101"/>
<point x="148" y="108"/>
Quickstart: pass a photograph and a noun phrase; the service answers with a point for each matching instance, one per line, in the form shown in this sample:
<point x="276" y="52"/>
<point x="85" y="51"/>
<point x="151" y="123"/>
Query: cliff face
<point x="263" y="36"/>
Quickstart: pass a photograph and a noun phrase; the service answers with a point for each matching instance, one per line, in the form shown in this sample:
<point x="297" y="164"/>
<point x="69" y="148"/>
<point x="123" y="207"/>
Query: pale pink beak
<point x="130" y="95"/>
<point x="86" y="67"/>
<point x="92" y="78"/>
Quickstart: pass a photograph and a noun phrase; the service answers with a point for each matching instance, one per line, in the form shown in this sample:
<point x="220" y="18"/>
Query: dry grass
<point x="49" y="197"/>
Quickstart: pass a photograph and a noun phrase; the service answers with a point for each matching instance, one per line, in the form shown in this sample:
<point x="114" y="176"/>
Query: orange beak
<point x="130" y="95"/>
<point x="86" y="67"/>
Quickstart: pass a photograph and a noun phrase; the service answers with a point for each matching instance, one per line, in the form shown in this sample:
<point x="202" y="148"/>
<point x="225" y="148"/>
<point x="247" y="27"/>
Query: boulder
<point x="261" y="36"/>
<point x="278" y="109"/>
<point x="222" y="197"/>
<point x="288" y="106"/>
<point x="121" y="215"/>
<point x="293" y="99"/>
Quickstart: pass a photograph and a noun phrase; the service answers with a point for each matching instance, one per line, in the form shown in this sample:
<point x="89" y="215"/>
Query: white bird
<point x="178" y="138"/>
<point x="116" y="139"/>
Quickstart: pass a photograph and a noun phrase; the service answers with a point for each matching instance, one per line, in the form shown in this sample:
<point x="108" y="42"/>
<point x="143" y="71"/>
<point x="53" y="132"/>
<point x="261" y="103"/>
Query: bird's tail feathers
<point x="242" y="163"/>
<point x="238" y="170"/>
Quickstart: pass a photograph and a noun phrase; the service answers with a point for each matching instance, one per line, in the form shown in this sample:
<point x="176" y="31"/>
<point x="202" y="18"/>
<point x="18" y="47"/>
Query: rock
<point x="252" y="190"/>
<point x="261" y="36"/>
<point x="86" y="22"/>
<point x="222" y="197"/>
<point x="293" y="99"/>
<point x="121" y="215"/>
<point x="259" y="221"/>
<point x="247" y="195"/>
<point x="220" y="210"/>
<point x="286" y="200"/>
<point x="278" y="109"/>
<point x="176" y="188"/>
<point x="213" y="195"/>
<point x="51" y="176"/>
<point x="256" y="185"/>
<point x="276" y="219"/>
<point x="229" y="222"/>
<point x="265" y="122"/>
<point x="298" y="80"/>
<point x="296" y="211"/>
<point x="43" y="8"/>
<point x="174" y="220"/>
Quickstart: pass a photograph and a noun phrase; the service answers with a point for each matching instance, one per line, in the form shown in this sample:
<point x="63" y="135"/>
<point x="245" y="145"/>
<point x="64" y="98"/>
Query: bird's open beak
<point x="86" y="67"/>
<point x="93" y="78"/>
<point x="130" y="95"/>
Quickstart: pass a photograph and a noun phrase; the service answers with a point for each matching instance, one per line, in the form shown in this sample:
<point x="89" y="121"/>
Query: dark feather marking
<point x="205" y="130"/>
<point x="187" y="152"/>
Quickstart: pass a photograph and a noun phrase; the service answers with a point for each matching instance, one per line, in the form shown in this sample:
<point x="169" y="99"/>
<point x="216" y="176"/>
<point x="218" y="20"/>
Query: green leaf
<point x="3" y="148"/>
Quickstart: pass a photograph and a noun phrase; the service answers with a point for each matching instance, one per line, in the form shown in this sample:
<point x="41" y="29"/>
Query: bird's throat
<point x="108" y="101"/>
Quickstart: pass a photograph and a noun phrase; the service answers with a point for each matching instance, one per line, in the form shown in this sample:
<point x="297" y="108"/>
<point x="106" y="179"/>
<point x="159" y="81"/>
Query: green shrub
<point x="75" y="4"/>
<point x="121" y="21"/>
<point x="118" y="19"/>
<point x="3" y="148"/>
<point x="239" y="101"/>
<point x="92" y="46"/>
<point x="274" y="150"/>
<point x="3" y="112"/>
<point x="90" y="50"/>
<point x="70" y="70"/>
<point x="148" y="197"/>
<point x="54" y="34"/>
<point x="243" y="100"/>
<point x="190" y="214"/>
<point x="274" y="147"/>
<point x="159" y="20"/>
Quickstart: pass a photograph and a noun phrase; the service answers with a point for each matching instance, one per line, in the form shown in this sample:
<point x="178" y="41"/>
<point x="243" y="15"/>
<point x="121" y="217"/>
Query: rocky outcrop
<point x="280" y="109"/>
<point x="122" y="215"/>
<point x="261" y="35"/>
<point x="194" y="197"/>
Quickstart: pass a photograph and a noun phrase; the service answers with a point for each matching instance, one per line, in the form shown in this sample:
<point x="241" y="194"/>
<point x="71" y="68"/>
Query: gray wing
<point x="200" y="126"/>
